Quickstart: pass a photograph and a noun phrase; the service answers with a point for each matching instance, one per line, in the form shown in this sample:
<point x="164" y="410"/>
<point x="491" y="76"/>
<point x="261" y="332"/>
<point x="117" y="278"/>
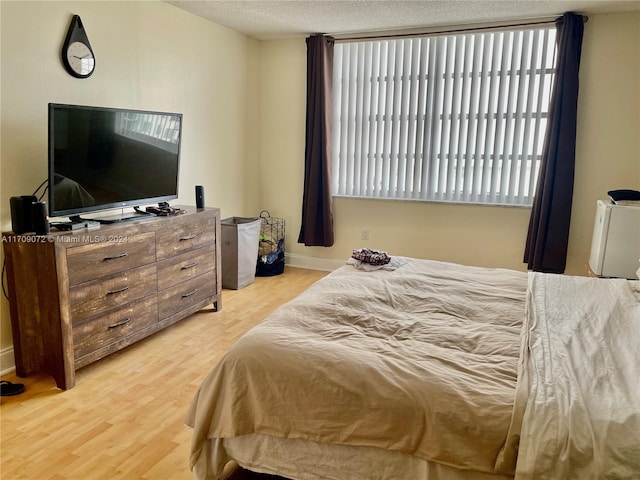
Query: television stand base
<point x="75" y="223"/>
<point x="123" y="217"/>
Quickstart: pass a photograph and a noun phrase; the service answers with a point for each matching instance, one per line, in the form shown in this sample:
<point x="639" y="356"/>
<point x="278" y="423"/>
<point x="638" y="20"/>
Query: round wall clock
<point x="77" y="55"/>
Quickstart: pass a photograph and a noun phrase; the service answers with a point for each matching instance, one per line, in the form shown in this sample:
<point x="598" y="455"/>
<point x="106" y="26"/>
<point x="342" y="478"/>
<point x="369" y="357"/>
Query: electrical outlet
<point x="365" y="234"/>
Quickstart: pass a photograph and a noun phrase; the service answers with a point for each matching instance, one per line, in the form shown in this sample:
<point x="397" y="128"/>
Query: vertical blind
<point x="457" y="118"/>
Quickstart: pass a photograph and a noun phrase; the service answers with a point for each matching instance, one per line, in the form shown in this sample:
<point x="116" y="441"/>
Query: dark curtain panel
<point x="317" y="213"/>
<point x="548" y="236"/>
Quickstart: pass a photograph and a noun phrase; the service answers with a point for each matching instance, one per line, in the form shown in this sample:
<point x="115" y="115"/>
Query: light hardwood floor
<point x="124" y="418"/>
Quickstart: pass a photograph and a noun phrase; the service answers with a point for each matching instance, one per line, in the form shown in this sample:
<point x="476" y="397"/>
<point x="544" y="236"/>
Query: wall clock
<point x="77" y="55"/>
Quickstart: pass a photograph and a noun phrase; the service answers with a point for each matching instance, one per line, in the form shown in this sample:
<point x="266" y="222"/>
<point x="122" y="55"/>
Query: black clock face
<point x="80" y="59"/>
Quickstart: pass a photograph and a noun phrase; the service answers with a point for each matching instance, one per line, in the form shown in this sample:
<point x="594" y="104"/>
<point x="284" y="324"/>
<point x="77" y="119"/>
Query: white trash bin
<point x="240" y="238"/>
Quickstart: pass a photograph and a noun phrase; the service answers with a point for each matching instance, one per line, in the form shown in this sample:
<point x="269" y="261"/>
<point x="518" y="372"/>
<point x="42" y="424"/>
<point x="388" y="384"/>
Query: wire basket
<point x="270" y="246"/>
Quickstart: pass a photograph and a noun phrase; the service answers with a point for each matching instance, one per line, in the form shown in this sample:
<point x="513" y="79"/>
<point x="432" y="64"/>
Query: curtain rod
<point x="381" y="36"/>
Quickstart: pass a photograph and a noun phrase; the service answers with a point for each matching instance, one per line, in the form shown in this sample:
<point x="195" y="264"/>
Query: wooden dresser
<point x="78" y="296"/>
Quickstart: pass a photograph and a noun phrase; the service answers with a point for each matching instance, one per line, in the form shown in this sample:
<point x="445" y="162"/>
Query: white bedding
<point x="580" y="383"/>
<point x="438" y="368"/>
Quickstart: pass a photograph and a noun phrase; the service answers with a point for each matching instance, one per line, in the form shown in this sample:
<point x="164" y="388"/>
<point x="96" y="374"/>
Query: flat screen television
<point x="106" y="158"/>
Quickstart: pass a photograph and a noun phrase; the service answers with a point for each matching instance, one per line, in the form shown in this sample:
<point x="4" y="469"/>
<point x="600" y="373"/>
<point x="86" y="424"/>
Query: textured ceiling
<point x="271" y="19"/>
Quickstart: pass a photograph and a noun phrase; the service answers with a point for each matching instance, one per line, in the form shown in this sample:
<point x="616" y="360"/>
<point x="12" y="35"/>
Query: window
<point x="452" y="118"/>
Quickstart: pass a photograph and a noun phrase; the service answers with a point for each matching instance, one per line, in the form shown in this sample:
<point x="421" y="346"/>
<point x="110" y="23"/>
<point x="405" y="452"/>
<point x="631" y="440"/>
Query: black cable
<point x="44" y="192"/>
<point x="40" y="186"/>
<point x="4" y="290"/>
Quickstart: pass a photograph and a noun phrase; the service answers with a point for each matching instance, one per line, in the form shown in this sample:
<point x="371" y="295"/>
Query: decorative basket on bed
<point x="271" y="246"/>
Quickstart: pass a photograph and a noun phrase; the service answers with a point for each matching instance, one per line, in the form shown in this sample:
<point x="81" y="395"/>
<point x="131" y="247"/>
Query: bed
<point x="421" y="369"/>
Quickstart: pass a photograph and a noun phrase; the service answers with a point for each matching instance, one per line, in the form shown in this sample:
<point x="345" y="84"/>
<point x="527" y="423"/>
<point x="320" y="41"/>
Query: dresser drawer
<point x="179" y="268"/>
<point x="180" y="238"/>
<point x="98" y="332"/>
<point x="96" y="296"/>
<point x="88" y="262"/>
<point x="186" y="294"/>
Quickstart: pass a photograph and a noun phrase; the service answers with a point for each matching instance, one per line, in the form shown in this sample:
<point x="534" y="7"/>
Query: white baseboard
<point x="312" y="263"/>
<point x="7" y="361"/>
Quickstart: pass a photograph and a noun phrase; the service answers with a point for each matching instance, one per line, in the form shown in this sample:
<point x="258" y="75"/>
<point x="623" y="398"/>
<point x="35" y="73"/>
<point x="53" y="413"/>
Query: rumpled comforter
<point x="579" y="388"/>
<point x="422" y="360"/>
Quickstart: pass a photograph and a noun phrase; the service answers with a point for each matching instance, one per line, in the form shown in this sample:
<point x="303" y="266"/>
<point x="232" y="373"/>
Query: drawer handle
<point x="191" y="265"/>
<point x="116" y="256"/>
<point x="119" y="324"/>
<point x="122" y="289"/>
<point x="188" y="237"/>
<point x="185" y="295"/>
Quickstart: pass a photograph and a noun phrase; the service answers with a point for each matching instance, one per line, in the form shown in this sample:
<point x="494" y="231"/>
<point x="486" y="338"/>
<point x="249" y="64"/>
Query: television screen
<point x="102" y="158"/>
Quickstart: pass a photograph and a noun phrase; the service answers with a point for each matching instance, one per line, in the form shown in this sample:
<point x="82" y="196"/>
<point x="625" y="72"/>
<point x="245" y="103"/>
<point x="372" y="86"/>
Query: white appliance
<point x="615" y="247"/>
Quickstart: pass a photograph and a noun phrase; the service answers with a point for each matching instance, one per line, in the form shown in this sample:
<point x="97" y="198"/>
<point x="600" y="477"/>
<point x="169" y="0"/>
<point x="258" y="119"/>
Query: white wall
<point x="149" y="55"/>
<point x="607" y="157"/>
<point x="608" y="136"/>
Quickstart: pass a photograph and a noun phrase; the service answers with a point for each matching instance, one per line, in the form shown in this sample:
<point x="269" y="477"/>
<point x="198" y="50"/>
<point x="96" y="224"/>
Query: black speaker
<point x="199" y="196"/>
<point x="21" y="213"/>
<point x="40" y="218"/>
